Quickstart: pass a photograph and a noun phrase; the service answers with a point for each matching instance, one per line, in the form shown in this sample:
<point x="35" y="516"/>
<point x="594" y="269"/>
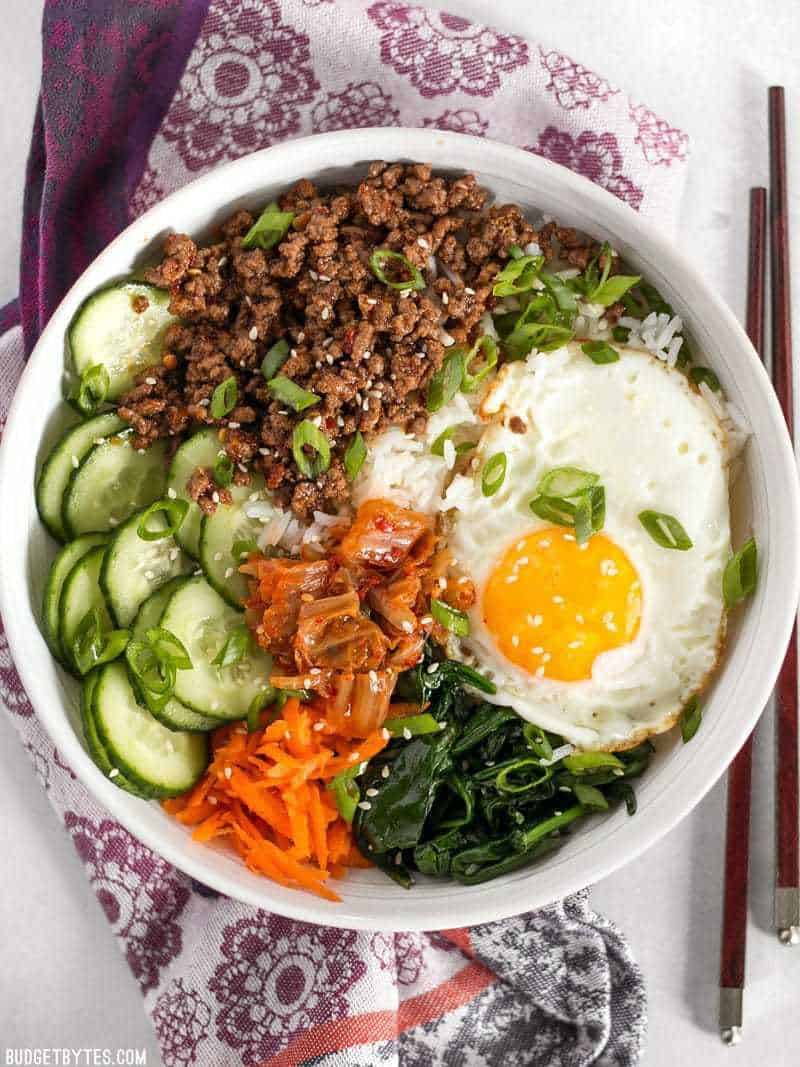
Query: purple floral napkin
<point x="136" y="100"/>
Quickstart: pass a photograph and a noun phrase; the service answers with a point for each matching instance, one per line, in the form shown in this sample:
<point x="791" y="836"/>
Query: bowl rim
<point x="494" y="900"/>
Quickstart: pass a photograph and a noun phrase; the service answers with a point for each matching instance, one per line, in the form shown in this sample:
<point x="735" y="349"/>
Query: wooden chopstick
<point x="737" y="827"/>
<point x="787" y="816"/>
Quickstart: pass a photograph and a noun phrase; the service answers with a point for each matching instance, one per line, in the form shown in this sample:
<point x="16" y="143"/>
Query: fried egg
<point x="601" y="642"/>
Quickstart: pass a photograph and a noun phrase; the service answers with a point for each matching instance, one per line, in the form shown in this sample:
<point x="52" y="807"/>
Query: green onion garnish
<point x="613" y="289"/>
<point x="223" y="470"/>
<point x="257" y="704"/>
<point x="537" y="740"/>
<point x="566" y="482"/>
<point x="698" y="375"/>
<point x="354" y="456"/>
<point x="275" y="359"/>
<point x="235" y="648"/>
<point x="620" y="334"/>
<point x="173" y="512"/>
<point x="450" y="618"/>
<point x="346" y="792"/>
<point x="224" y="397"/>
<point x="286" y="392"/>
<point x="243" y="548"/>
<point x="589" y="796"/>
<point x="437" y="448"/>
<point x="691" y="717"/>
<point x="446" y="382"/>
<point x="383" y="256"/>
<point x="665" y="530"/>
<point x="561" y="292"/>
<point x="741" y="574"/>
<point x="586" y="762"/>
<point x="92" y="389"/>
<point x="554" y="509"/>
<point x="169" y="647"/>
<point x="486" y="346"/>
<point x="600" y="352"/>
<point x="270" y="227"/>
<point x="91" y="646"/>
<point x="154" y="673"/>
<point x="307" y="435"/>
<point x="494" y="474"/>
<point x="515" y="252"/>
<point x="517" y="276"/>
<point x="416" y="725"/>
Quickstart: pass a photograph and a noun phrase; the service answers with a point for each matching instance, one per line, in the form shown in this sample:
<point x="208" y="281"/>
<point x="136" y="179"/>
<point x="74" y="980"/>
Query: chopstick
<point x="787" y="816"/>
<point x="737" y="826"/>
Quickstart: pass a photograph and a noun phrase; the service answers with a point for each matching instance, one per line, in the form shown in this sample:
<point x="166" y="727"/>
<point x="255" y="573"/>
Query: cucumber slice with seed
<point x="108" y="331"/>
<point x="96" y="750"/>
<point x="158" y="761"/>
<point x="201" y="450"/>
<point x="173" y="715"/>
<point x="59" y="571"/>
<point x="61" y="463"/>
<point x="202" y="620"/>
<point x="134" y="568"/>
<point x="80" y="593"/>
<point x="112" y="482"/>
<point x="220" y="530"/>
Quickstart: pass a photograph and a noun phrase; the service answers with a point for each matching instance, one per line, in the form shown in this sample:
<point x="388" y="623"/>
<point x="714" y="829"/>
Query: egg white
<point x="656" y="444"/>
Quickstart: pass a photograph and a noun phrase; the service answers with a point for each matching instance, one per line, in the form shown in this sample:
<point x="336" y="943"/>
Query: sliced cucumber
<point x="96" y="750"/>
<point x="201" y="450"/>
<point x="109" y="332"/>
<point x="61" y="566"/>
<point x="80" y="593"/>
<point x="218" y="533"/>
<point x="112" y="482"/>
<point x="198" y="616"/>
<point x="158" y="761"/>
<point x="174" y="715"/>
<point x="61" y="464"/>
<point x="134" y="568"/>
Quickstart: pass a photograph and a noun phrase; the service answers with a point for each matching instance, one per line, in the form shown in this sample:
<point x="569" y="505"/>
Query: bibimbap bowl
<point x="764" y="503"/>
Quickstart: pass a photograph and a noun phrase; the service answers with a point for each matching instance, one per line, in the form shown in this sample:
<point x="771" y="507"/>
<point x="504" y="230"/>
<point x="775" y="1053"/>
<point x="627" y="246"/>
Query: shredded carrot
<point x="266" y="794"/>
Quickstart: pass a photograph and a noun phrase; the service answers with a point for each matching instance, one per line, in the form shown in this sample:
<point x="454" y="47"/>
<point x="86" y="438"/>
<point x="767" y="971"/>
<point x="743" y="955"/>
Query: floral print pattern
<point x="661" y="144"/>
<point x="11" y="692"/>
<point x="462" y="120"/>
<point x="365" y="104"/>
<point x="278" y="978"/>
<point x="441" y="53"/>
<point x="596" y="156"/>
<point x="181" y="1019"/>
<point x="573" y="85"/>
<point x="243" y="85"/>
<point x="400" y="953"/>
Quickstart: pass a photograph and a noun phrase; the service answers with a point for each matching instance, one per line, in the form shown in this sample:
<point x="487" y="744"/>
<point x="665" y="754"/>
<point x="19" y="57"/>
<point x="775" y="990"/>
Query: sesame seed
<point x="546" y="657"/>
<point x="247" y="300"/>
<point x="445" y="299"/>
<point x="539" y="672"/>
<point x="535" y="620"/>
<point x="372" y="301"/>
<point x="545" y="542"/>
<point x="263" y="451"/>
<point x="327" y="341"/>
<point x="422" y="242"/>
<point x="222" y="261"/>
<point x="515" y="640"/>
<point x="169" y="746"/>
<point x="385" y="771"/>
<point x="149" y="575"/>
<point x="113" y="772"/>
<point x="326" y="313"/>
<point x="287" y="735"/>
<point x="301" y="337"/>
<point x="579" y="618"/>
<point x="99" y="440"/>
<point x="512" y="578"/>
<point x="214" y="705"/>
<point x="229" y="572"/>
<point x="113" y="520"/>
<point x="228" y="772"/>
<point x="426" y="620"/>
<point x="313" y="276"/>
<point x="355" y="756"/>
<point x="522" y="562"/>
<point x="433" y="668"/>
<point x="468" y="290"/>
<point x="575" y="644"/>
<point x="520" y="545"/>
<point x="76" y="462"/>
<point x="407" y="734"/>
<point x="217" y="556"/>
<point x="318" y="726"/>
<point x="324" y="278"/>
<point x="364" y="805"/>
<point x="373" y="677"/>
<point x="150" y="381"/>
<point x="407" y="626"/>
<point x="442" y="583"/>
<point x="329" y="359"/>
<point x="204" y="402"/>
<point x="538" y="650"/>
<point x="234" y="425"/>
<point x="212" y="800"/>
<point x="558" y="600"/>
<point x="173" y="554"/>
<point x="371" y="792"/>
<point x="171" y="494"/>
<point x="215" y="497"/>
<point x="569" y="537"/>
<point x="608" y="568"/>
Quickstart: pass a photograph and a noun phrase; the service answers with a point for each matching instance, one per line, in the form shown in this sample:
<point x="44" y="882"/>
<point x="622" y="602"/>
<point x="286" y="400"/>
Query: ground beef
<point x="366" y="350"/>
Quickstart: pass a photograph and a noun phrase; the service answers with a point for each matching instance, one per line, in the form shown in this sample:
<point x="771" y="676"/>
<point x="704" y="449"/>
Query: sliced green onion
<point x="91" y="647"/>
<point x="257" y="705"/>
<point x="543" y="336"/>
<point x="243" y="548"/>
<point x="597" y="498"/>
<point x="586" y="762"/>
<point x="524" y="840"/>
<point x="566" y="482"/>
<point x="437" y="448"/>
<point x="741" y="574"/>
<point x="611" y="291"/>
<point x="517" y="276"/>
<point x="383" y="256"/>
<point x="620" y="334"/>
<point x="169" y="647"/>
<point x="286" y="392"/>
<point x="698" y="375"/>
<point x="446" y="382"/>
<point x="346" y="792"/>
<point x="224" y="397"/>
<point x="691" y="717"/>
<point x="235" y="648"/>
<point x="502" y="775"/>
<point x="494" y="473"/>
<point x="307" y="435"/>
<point x="270" y="227"/>
<point x="487" y="346"/>
<point x="275" y="359"/>
<point x="92" y="389"/>
<point x="155" y="674"/>
<point x="600" y="352"/>
<point x="173" y="511"/>
<point x="223" y="470"/>
<point x="554" y="509"/>
<point x="665" y="530"/>
<point x="354" y="456"/>
<point x="515" y="252"/>
<point x="590" y="796"/>
<point x="453" y="620"/>
<point x="416" y="725"/>
<point x="561" y="291"/>
<point x="582" y="519"/>
<point x="537" y="740"/>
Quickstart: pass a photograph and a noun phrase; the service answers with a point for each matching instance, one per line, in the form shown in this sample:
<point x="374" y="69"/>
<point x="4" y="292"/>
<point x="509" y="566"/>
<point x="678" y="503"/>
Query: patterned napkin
<point x="136" y="100"/>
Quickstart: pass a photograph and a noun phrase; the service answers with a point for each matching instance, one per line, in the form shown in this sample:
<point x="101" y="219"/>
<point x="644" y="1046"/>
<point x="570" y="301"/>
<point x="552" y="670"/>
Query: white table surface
<point x="705" y="66"/>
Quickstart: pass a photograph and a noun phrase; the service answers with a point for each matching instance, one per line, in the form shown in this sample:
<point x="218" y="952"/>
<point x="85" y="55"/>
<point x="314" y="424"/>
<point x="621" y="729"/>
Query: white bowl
<point x="678" y="776"/>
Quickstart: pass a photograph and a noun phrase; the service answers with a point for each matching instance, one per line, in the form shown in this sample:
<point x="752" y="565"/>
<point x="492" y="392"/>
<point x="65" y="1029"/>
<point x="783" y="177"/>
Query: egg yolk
<point x="553" y="605"/>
